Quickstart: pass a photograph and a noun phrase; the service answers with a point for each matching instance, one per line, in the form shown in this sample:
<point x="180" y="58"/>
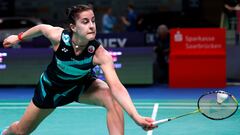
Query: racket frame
<point x="158" y="122"/>
<point x="223" y="92"/>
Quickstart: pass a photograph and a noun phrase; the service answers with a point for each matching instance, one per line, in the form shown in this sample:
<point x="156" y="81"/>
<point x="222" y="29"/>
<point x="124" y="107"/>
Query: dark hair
<point x="73" y="11"/>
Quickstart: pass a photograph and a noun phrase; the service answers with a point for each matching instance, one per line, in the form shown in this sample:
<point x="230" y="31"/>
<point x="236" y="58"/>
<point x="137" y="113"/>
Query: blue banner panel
<point x="24" y="66"/>
<point x="114" y="40"/>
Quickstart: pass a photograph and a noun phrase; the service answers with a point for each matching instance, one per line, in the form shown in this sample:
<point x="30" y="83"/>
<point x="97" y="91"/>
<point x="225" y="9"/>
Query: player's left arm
<point x="119" y="92"/>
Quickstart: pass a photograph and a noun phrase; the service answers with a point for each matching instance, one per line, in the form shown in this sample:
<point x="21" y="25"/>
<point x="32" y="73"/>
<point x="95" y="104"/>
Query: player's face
<point x="85" y="25"/>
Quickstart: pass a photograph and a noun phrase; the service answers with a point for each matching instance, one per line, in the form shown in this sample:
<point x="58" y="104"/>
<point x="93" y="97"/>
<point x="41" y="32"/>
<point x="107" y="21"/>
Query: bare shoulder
<point x="55" y="33"/>
<point x="102" y="56"/>
<point x="101" y="51"/>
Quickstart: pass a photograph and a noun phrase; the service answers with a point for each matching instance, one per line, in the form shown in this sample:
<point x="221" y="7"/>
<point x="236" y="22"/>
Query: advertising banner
<point x="197" y="57"/>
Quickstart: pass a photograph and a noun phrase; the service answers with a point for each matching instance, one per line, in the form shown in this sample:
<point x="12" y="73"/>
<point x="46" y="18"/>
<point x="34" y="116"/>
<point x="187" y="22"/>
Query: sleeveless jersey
<point x="67" y="76"/>
<point x="66" y="67"/>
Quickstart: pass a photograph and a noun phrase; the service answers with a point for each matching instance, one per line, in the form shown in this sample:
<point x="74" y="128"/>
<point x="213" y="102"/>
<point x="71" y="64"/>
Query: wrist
<point x="135" y="116"/>
<point x="20" y="38"/>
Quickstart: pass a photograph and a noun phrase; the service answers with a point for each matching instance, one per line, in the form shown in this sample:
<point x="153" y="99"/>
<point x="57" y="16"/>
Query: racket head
<point x="209" y="106"/>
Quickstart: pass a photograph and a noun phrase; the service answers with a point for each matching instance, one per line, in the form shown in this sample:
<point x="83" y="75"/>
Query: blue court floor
<point x="75" y="119"/>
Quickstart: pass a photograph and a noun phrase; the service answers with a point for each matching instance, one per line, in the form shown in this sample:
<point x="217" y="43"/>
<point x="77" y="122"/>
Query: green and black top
<point x="66" y="66"/>
<point x="67" y="76"/>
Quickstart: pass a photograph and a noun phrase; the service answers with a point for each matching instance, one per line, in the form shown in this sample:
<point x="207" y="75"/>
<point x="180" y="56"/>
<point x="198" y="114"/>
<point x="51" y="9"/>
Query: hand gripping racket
<point x="215" y="105"/>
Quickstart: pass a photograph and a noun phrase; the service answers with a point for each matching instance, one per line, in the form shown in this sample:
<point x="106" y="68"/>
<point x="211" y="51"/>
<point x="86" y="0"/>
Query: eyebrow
<point x="87" y="18"/>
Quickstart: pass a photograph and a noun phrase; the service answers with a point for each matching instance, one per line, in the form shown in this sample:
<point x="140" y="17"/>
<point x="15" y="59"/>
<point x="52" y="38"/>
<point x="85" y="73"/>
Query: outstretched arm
<point x="237" y="7"/>
<point x="119" y="92"/>
<point x="50" y="32"/>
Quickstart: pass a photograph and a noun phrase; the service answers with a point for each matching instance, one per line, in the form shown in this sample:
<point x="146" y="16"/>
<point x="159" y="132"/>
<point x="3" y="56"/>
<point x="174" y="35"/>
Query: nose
<point x="92" y="24"/>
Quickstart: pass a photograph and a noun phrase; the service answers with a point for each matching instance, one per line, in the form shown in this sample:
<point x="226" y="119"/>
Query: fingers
<point x="10" y="41"/>
<point x="151" y="127"/>
<point x="6" y="44"/>
<point x="149" y="119"/>
<point x="148" y="125"/>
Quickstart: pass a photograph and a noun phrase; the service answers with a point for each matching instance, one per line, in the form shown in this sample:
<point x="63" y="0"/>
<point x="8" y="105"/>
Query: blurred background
<point x="175" y="13"/>
<point x="173" y="52"/>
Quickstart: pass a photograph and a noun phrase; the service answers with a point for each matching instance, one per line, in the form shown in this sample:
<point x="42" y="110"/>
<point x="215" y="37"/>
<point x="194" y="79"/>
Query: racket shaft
<point x="170" y="119"/>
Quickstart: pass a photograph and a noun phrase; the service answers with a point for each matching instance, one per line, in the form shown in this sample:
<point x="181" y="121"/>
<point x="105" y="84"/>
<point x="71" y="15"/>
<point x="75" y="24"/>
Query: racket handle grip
<point x="160" y="121"/>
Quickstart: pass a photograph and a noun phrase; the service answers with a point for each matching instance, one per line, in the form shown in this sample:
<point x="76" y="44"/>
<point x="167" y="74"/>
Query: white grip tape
<point x="160" y="121"/>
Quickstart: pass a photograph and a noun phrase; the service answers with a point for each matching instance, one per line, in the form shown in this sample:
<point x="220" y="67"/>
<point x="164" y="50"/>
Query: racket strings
<point x="212" y="109"/>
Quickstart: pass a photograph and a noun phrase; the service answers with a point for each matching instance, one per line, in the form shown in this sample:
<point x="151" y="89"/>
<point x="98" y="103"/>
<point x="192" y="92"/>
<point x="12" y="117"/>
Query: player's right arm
<point x="237" y="7"/>
<point x="50" y="32"/>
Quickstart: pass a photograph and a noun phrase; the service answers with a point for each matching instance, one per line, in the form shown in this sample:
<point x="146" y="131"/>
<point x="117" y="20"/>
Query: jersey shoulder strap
<point x="66" y="38"/>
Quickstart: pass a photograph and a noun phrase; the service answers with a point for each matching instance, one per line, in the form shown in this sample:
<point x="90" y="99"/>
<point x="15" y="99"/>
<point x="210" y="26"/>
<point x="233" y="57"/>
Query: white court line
<point x="166" y="103"/>
<point x="154" y="115"/>
<point x="98" y="107"/>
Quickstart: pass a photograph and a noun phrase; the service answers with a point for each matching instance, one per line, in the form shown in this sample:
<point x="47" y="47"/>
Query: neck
<point x="79" y="42"/>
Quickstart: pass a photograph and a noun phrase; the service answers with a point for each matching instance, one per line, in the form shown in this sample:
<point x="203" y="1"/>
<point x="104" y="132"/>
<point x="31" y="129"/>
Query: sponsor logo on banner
<point x="113" y="42"/>
<point x="197" y="39"/>
<point x="122" y="39"/>
<point x="178" y="37"/>
<point x="2" y="65"/>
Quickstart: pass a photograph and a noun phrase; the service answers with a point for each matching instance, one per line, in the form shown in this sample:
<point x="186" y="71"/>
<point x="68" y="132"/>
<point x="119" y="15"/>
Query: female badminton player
<point x="69" y="77"/>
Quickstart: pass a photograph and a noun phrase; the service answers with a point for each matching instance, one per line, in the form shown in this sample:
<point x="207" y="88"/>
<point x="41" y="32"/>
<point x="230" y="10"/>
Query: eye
<point x="93" y="20"/>
<point x="85" y="21"/>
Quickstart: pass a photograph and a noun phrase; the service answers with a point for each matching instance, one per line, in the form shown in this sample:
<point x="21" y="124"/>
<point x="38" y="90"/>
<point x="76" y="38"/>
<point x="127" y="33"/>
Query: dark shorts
<point x="49" y="94"/>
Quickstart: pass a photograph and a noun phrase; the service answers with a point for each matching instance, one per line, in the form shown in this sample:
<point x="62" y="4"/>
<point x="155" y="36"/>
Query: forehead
<point x="86" y="14"/>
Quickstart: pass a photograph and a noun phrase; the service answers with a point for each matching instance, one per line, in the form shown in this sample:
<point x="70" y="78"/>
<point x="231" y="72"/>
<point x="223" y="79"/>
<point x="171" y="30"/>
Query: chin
<point x="91" y="37"/>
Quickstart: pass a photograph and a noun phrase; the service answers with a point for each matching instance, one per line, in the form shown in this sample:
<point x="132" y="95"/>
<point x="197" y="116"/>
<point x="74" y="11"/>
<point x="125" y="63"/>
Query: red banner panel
<point x="197" y="58"/>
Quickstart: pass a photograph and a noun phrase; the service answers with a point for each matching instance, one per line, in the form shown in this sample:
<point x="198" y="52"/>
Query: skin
<point x="237" y="7"/>
<point x="110" y="94"/>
